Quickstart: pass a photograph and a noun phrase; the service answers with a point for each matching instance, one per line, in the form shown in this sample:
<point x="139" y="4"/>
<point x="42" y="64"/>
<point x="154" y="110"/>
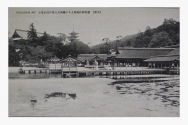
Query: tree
<point x="146" y="41"/>
<point x="32" y="32"/>
<point x="148" y="31"/>
<point x="45" y="36"/>
<point x="160" y="40"/>
<point x="106" y="45"/>
<point x="128" y="43"/>
<point x="62" y="37"/>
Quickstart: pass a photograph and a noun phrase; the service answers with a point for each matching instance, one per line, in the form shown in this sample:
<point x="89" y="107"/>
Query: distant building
<point x="22" y="34"/>
<point x="135" y="56"/>
<point x="19" y="35"/>
<point x="101" y="58"/>
<point x="169" y="61"/>
<point x="73" y="36"/>
<point x="127" y="57"/>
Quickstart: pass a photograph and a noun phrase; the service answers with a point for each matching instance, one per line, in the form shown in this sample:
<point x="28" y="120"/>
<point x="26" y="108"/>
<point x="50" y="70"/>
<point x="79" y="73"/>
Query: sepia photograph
<point x="94" y="62"/>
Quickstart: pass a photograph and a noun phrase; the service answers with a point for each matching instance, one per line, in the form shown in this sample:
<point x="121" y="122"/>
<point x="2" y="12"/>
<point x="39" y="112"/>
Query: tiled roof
<point x="69" y="59"/>
<point x="174" y="52"/>
<point x="19" y="35"/>
<point x="144" y="53"/>
<point x="54" y="59"/>
<point x="22" y="34"/>
<point x="73" y="33"/>
<point x="163" y="59"/>
<point x="97" y="58"/>
<point x="83" y="57"/>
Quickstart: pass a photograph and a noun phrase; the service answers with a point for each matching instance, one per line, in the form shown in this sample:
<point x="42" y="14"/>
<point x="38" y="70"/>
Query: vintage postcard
<point x="94" y="62"/>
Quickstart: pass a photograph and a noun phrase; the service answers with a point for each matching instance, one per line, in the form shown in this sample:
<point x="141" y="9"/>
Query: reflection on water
<point x="54" y="95"/>
<point x="60" y="94"/>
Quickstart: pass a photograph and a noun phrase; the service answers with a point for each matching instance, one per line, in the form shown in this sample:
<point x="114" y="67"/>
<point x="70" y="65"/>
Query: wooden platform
<point x="86" y="72"/>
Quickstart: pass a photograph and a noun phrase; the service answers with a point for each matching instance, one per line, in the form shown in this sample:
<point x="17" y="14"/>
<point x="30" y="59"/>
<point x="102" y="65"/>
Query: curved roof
<point x="172" y="56"/>
<point x="174" y="52"/>
<point x="97" y="58"/>
<point x="19" y="35"/>
<point x="83" y="57"/>
<point x="73" y="33"/>
<point x="54" y="59"/>
<point x="144" y="53"/>
<point x="69" y="59"/>
<point x="163" y="59"/>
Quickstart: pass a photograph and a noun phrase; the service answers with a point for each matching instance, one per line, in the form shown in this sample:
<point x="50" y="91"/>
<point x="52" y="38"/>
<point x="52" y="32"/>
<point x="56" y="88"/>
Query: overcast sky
<point x="92" y="28"/>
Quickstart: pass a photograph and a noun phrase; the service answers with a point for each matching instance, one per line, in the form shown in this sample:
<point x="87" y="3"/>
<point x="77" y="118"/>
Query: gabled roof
<point x="97" y="58"/>
<point x="172" y="56"/>
<point x="163" y="59"/>
<point x="69" y="59"/>
<point x="73" y="33"/>
<point x="174" y="52"/>
<point x="83" y="57"/>
<point x="54" y="59"/>
<point x="144" y="53"/>
<point x="22" y="34"/>
<point x="19" y="35"/>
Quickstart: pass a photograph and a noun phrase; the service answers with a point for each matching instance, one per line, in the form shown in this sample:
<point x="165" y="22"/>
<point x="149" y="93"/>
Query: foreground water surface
<point x="50" y="95"/>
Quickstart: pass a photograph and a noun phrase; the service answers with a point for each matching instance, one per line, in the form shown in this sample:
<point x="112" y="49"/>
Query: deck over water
<point x="82" y="71"/>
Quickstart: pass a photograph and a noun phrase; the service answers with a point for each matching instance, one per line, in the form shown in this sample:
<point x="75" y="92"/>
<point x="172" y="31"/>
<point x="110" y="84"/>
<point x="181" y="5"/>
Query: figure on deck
<point x="87" y="63"/>
<point x="96" y="65"/>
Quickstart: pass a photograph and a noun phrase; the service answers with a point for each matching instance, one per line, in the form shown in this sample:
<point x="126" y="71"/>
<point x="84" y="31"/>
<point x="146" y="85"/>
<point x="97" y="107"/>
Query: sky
<point x="92" y="27"/>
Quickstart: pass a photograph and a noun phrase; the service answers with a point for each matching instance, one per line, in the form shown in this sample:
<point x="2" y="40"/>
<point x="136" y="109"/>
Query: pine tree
<point x="32" y="32"/>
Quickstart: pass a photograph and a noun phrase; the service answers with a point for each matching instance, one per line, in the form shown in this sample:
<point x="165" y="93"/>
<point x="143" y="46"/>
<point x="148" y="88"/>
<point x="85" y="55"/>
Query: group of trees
<point x="44" y="47"/>
<point x="36" y="48"/>
<point x="164" y="35"/>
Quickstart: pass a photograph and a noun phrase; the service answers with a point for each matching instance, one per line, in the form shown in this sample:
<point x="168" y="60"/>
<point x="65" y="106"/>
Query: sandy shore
<point x="94" y="97"/>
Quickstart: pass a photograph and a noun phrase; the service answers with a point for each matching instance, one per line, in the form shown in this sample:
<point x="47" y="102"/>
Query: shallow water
<point x="92" y="97"/>
<point x="166" y="91"/>
<point x="45" y="94"/>
<point x="13" y="75"/>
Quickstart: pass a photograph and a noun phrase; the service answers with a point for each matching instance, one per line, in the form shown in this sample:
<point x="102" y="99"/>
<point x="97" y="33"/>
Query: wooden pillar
<point x="165" y="65"/>
<point x="169" y="67"/>
<point x="69" y="67"/>
<point x="154" y="65"/>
